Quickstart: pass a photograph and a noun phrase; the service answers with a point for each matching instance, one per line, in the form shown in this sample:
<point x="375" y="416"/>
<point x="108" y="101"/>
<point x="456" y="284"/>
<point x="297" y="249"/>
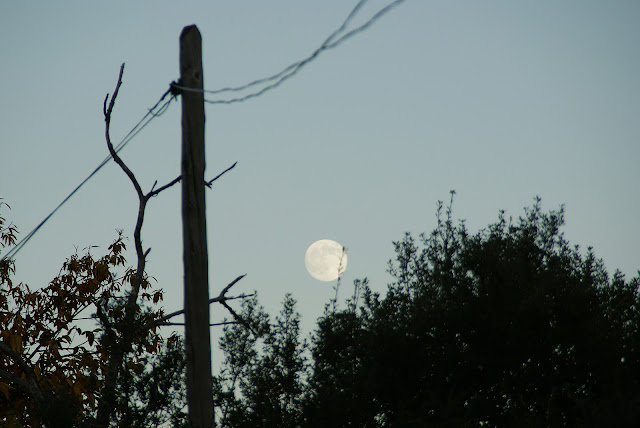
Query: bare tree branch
<point x="216" y="324"/>
<point x="220" y="298"/>
<point x="208" y="183"/>
<point x="123" y="345"/>
<point x="162" y="320"/>
<point x="238" y="318"/>
<point x="153" y="193"/>
<point x="222" y="295"/>
<point x="112" y="151"/>
<point x="176" y="180"/>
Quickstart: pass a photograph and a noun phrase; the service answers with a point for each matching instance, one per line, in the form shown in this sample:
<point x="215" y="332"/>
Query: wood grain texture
<point x="196" y="275"/>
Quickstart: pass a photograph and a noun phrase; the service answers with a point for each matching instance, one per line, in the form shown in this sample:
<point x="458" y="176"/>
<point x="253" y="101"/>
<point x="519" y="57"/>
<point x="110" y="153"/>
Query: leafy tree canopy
<point x="53" y="364"/>
<point x="510" y="326"/>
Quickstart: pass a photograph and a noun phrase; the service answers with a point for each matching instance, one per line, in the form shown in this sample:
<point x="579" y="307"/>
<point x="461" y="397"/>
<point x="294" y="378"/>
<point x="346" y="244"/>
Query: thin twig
<point x="112" y="151"/>
<point x="220" y="298"/>
<point x="123" y="344"/>
<point x="223" y="293"/>
<point x="216" y="324"/>
<point x="176" y="180"/>
<point x="238" y="318"/>
<point x="208" y="183"/>
<point x="153" y="193"/>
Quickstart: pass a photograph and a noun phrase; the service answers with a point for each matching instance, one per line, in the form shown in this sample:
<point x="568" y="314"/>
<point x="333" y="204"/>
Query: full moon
<point x="325" y="260"/>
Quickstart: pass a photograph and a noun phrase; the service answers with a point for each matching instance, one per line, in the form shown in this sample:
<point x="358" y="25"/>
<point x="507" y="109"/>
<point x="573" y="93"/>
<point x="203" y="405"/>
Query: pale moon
<point x="325" y="260"/>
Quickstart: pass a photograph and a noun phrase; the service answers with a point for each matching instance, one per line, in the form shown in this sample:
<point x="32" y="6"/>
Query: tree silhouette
<point x="52" y="366"/>
<point x="510" y="326"/>
<point x="262" y="380"/>
<point x="507" y="327"/>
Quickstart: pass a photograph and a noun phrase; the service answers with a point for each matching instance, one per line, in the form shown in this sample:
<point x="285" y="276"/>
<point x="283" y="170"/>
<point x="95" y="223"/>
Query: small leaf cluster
<point x="53" y="351"/>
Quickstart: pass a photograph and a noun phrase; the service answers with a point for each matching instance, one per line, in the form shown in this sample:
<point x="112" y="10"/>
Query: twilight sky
<point x="499" y="100"/>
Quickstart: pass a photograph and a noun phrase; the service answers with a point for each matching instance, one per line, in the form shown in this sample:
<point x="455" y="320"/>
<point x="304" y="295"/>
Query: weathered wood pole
<point x="194" y="230"/>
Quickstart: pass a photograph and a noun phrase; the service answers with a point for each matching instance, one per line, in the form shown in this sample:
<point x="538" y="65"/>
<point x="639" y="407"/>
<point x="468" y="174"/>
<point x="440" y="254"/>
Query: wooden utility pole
<point x="194" y="230"/>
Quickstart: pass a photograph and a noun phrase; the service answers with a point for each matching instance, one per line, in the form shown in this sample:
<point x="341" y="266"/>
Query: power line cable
<point x="289" y="71"/>
<point x="142" y="123"/>
<point x="330" y="42"/>
<point x="346" y="22"/>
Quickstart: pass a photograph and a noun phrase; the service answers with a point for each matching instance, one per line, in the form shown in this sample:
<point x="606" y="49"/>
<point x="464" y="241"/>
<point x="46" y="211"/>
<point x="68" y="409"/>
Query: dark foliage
<point x="508" y="327"/>
<point x="152" y="391"/>
<point x="261" y="384"/>
<point x="52" y="365"/>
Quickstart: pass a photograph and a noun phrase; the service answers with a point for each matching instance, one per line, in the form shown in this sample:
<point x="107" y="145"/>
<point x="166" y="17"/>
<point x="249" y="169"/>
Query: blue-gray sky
<point x="499" y="100"/>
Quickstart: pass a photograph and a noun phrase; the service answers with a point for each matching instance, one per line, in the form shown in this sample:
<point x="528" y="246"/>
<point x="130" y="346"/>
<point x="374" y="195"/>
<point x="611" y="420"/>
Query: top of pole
<point x="190" y="52"/>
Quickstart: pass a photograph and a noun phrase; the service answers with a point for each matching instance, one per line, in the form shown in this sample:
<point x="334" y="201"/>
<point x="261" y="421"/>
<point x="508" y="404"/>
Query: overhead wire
<point x="334" y="40"/>
<point x="346" y="22"/>
<point x="142" y="123"/>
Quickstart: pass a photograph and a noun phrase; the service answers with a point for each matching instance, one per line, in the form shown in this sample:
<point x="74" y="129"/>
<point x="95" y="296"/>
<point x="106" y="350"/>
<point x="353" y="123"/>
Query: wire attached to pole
<point x="334" y="40"/>
<point x="142" y="123"/>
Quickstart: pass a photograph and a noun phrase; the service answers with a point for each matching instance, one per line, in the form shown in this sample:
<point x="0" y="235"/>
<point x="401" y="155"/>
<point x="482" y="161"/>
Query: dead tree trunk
<point x="196" y="284"/>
